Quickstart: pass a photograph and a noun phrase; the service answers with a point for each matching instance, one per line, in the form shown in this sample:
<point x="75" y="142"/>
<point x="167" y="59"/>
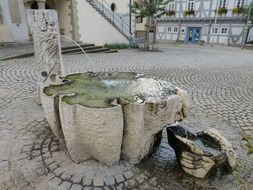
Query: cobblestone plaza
<point x="219" y="82"/>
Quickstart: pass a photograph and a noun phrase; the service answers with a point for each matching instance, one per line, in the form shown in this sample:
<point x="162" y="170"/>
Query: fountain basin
<point x="201" y="154"/>
<point x="111" y="116"/>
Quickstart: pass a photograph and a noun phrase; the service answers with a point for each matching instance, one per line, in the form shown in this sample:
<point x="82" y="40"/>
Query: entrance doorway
<point x="193" y="34"/>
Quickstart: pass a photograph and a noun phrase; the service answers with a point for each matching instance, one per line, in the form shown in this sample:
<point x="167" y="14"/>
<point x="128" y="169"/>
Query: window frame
<point x="240" y="3"/>
<point x="223" y="4"/>
<point x="139" y="19"/>
<point x="190" y="6"/>
<point x="213" y="32"/>
<point x="175" y="31"/>
<point x="171" y="6"/>
<point x="222" y="29"/>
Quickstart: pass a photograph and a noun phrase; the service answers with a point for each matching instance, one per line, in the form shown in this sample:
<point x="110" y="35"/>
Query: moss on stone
<point x="249" y="141"/>
<point x="100" y="89"/>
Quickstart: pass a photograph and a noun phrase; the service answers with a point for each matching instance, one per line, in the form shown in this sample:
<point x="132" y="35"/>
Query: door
<point x="193" y="34"/>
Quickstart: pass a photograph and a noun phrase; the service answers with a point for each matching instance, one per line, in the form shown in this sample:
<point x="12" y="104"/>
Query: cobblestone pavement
<point x="219" y="83"/>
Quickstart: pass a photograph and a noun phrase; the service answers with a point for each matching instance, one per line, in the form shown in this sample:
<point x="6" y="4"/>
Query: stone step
<point x="104" y="50"/>
<point x="75" y="46"/>
<point x="77" y="49"/>
<point x="72" y="49"/>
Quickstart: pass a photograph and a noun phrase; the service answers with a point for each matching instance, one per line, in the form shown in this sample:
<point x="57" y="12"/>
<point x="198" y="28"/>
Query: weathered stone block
<point x="103" y="116"/>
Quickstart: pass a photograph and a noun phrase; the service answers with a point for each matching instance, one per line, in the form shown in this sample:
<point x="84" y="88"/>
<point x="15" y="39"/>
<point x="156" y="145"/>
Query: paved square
<point x="220" y="86"/>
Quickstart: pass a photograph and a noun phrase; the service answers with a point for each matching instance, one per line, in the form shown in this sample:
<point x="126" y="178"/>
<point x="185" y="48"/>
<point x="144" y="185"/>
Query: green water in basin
<point x="100" y="89"/>
<point x="208" y="146"/>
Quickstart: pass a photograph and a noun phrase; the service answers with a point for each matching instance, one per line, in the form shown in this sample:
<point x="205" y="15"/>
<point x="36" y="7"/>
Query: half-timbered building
<point x="204" y="21"/>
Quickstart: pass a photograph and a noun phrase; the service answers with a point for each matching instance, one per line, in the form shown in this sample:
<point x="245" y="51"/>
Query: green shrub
<point x="187" y="13"/>
<point x="222" y="11"/>
<point x="238" y="10"/>
<point x="170" y="13"/>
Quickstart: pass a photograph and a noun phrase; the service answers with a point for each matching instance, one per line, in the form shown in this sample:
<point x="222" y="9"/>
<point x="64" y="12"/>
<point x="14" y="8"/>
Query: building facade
<point x="203" y="21"/>
<point x="90" y="21"/>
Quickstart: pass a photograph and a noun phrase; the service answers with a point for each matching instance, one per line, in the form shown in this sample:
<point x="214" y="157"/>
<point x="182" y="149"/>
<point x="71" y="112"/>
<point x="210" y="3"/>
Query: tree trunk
<point x="154" y="34"/>
<point x="147" y="33"/>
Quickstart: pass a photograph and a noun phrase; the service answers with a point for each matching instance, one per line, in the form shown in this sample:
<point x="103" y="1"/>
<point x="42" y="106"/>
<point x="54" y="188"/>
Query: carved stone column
<point x="47" y="49"/>
<point x="41" y="4"/>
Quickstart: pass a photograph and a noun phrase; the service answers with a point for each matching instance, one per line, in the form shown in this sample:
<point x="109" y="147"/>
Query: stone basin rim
<point x="72" y="82"/>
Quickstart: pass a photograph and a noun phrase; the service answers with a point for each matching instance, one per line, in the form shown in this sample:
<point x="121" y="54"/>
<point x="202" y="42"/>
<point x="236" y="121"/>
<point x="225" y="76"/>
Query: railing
<point x="105" y="9"/>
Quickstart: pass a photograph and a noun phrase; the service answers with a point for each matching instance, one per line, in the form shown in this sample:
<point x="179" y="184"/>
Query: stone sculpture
<point x="121" y="121"/>
<point x="101" y="116"/>
<point x="47" y="50"/>
<point x="202" y="153"/>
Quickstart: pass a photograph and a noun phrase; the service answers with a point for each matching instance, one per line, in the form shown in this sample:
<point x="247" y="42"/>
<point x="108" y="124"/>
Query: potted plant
<point x="189" y="12"/>
<point x="238" y="10"/>
<point x="222" y="11"/>
<point x="170" y="13"/>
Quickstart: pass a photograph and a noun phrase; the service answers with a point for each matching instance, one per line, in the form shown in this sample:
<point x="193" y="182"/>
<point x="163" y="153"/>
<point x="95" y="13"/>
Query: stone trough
<point x="201" y="154"/>
<point x="111" y="116"/>
<point x="101" y="116"/>
<point x="116" y="116"/>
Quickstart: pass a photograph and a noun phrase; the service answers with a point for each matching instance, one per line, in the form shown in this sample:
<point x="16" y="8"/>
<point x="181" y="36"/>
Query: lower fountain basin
<point x="203" y="153"/>
<point x="111" y="116"/>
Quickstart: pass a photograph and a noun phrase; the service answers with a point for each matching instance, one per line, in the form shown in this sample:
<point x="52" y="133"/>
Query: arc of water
<point x="75" y="42"/>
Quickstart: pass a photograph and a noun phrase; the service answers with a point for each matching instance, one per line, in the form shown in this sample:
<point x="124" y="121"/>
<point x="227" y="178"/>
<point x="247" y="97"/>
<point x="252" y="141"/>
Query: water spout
<point x="75" y="42"/>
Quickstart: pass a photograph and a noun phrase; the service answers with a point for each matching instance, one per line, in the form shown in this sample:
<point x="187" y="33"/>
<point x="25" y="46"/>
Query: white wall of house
<point x="18" y="28"/>
<point x="64" y="18"/>
<point x="122" y="6"/>
<point x="94" y="28"/>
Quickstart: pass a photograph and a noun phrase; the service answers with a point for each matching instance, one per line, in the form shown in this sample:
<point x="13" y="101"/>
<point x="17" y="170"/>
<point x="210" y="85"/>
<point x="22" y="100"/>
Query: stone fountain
<point x="102" y="116"/>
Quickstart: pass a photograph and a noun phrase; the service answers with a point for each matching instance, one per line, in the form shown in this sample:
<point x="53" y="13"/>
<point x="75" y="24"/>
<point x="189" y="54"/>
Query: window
<point x="169" y="29"/>
<point x="240" y="3"/>
<point x="224" y="31"/>
<point x="190" y="5"/>
<point x="113" y="7"/>
<point x="175" y="29"/>
<point x="215" y="30"/>
<point x="222" y="3"/>
<point x="183" y="30"/>
<point x="171" y="6"/>
<point x="139" y="19"/>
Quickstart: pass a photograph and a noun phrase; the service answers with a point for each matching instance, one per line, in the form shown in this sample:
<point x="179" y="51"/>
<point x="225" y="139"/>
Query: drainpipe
<point x="130" y="17"/>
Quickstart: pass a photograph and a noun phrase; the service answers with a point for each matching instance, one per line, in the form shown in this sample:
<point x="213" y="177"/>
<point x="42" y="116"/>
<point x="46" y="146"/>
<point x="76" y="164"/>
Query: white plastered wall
<point x="18" y="32"/>
<point x="62" y="8"/>
<point x="94" y="28"/>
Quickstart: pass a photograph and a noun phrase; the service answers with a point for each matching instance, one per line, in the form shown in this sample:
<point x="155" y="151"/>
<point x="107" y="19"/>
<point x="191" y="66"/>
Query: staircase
<point x="104" y="9"/>
<point x="66" y="50"/>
